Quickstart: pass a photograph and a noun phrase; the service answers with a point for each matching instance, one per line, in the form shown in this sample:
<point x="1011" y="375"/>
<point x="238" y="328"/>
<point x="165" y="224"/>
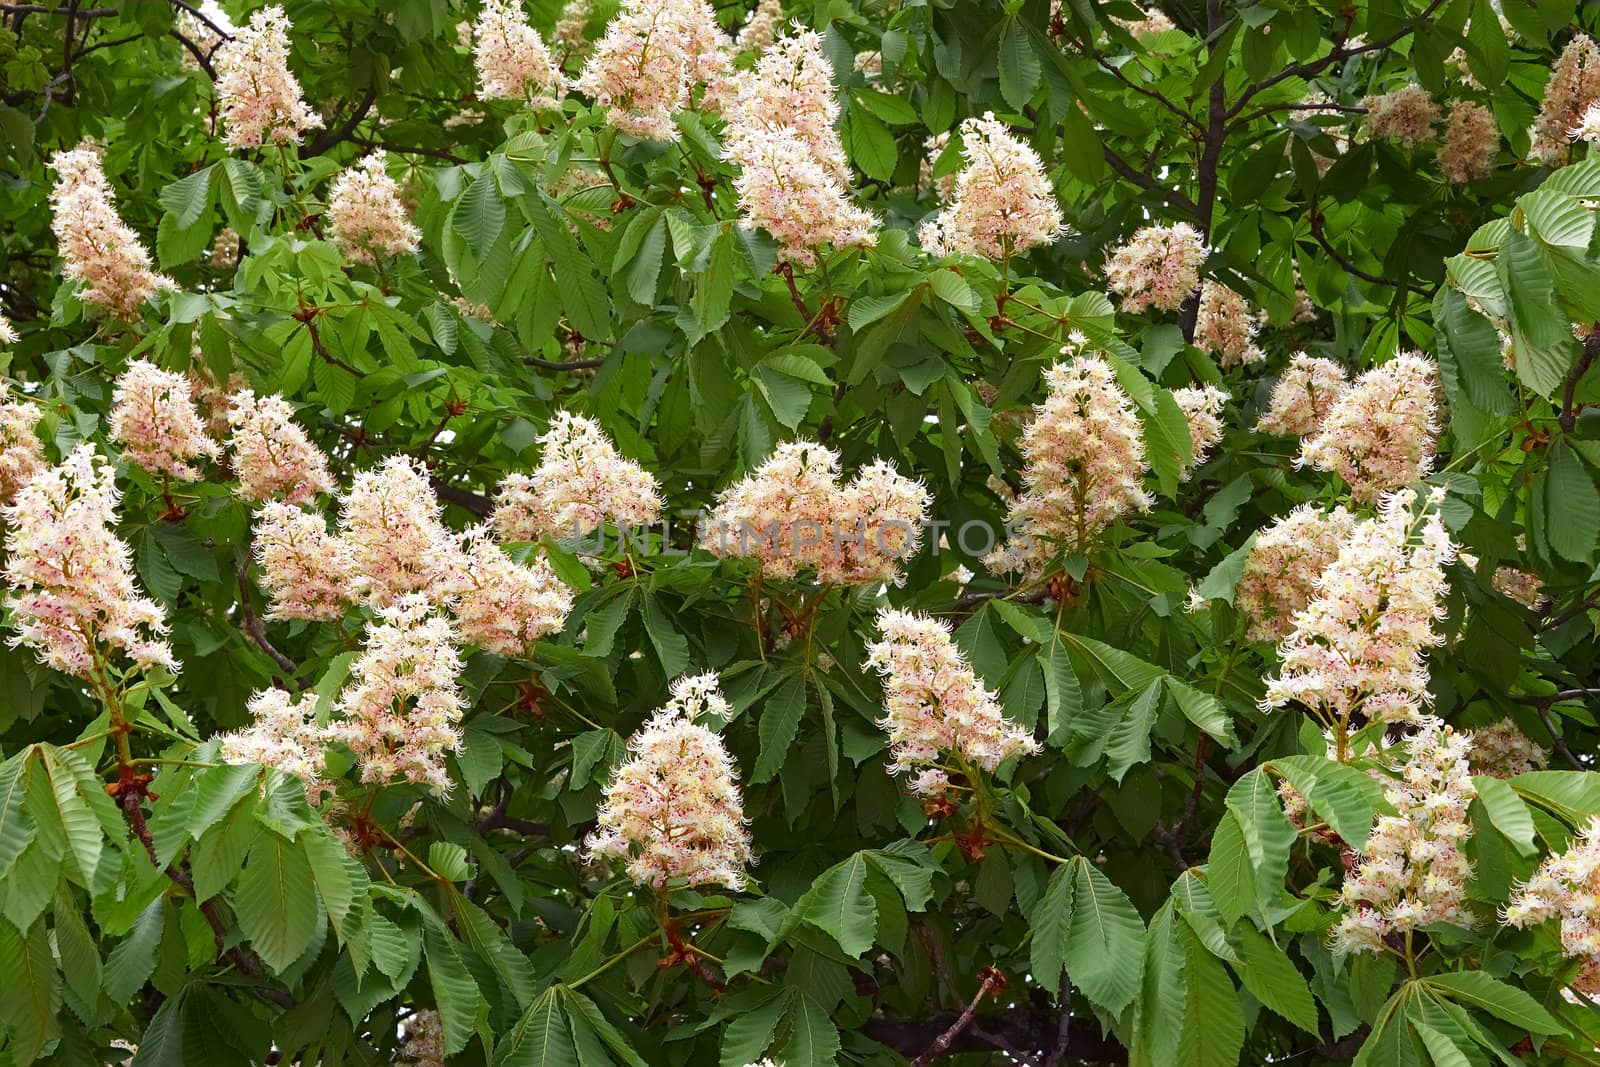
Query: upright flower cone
<point x="934" y="705"/>
<point x="154" y="419"/>
<point x="98" y="249"/>
<point x="259" y="95"/>
<point x="1003" y="203"/>
<point x="366" y="217"/>
<point x="673" y="811"/>
<point x="73" y="598"/>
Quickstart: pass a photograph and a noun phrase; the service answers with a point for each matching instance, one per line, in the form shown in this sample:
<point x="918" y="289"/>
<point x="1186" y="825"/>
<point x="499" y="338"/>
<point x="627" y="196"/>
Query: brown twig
<point x="252" y="626"/>
<point x="993" y="982"/>
<point x="1591" y="348"/>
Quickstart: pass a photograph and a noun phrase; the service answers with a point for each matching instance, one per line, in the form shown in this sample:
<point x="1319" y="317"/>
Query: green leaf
<point x="133" y="960"/>
<point x="187" y="197"/>
<point x="839" y="903"/>
<point x="1213" y="1022"/>
<point x="670" y="645"/>
<point x="1230" y="875"/>
<point x="16" y="828"/>
<point x="1497" y="998"/>
<point x="865" y="310"/>
<point x="813" y="1039"/>
<point x="713" y="288"/>
<point x="1221" y="581"/>
<point x="1344" y="797"/>
<point x="454" y="991"/>
<point x="780" y="722"/>
<point x="1167" y="441"/>
<point x="1272" y="979"/>
<point x="871" y="144"/>
<point x="1104" y="945"/>
<point x="1204" y="710"/>
<point x="539" y="1039"/>
<point x="1441" y="1049"/>
<point x="31" y="1005"/>
<point x="1019" y="64"/>
<point x="1050" y="925"/>
<point x="1507" y="812"/>
<point x="748" y="1035"/>
<point x="479" y="215"/>
<point x="1572" y="506"/>
<point x="580" y="1007"/>
<point x="1573" y="796"/>
<point x="1130" y="737"/>
<point x="1063" y="696"/>
<point x="1267" y="833"/>
<point x="639" y="256"/>
<point x="277" y="901"/>
<point x="1544" y="343"/>
<point x="1469" y="354"/>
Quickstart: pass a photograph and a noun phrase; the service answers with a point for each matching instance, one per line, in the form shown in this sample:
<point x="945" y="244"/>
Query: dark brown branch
<point x="1146" y="181"/>
<point x="41" y="9"/>
<point x="1064" y="1032"/>
<point x="573" y="364"/>
<point x="466" y="499"/>
<point x="408" y="150"/>
<point x="257" y="632"/>
<point x="342" y="132"/>
<point x="993" y="981"/>
<point x="1316" y="219"/>
<point x="200" y="55"/>
<point x="1338" y="53"/>
<point x="1033" y="1029"/>
<point x="1556" y="739"/>
<point x="1591" y="348"/>
<point x="202" y="18"/>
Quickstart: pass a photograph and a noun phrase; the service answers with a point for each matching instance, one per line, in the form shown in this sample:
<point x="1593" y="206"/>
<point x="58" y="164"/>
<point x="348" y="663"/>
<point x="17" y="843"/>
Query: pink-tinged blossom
<point x="1151" y="23"/>
<point x="1566" y="887"/>
<point x="1380" y="433"/>
<point x="225" y="249"/>
<point x="784" y="189"/>
<point x="272" y="456"/>
<point x="791" y="515"/>
<point x="153" y="418"/>
<point x="571" y="28"/>
<point x="1574" y="85"/>
<point x="73" y="596"/>
<point x="98" y="250"/>
<point x="1303" y="396"/>
<point x="646" y="66"/>
<point x="1225" y="327"/>
<point x="1283" y="565"/>
<point x="761" y="28"/>
<point x="283" y="734"/>
<point x="366" y="217"/>
<point x="791" y="86"/>
<point x="1413" y="870"/>
<point x="500" y="605"/>
<point x="1502" y="750"/>
<point x="402" y="704"/>
<point x="1357" y="648"/>
<point x="1003" y="202"/>
<point x="1525" y="588"/>
<point x="1202" y="409"/>
<point x="1471" y="143"/>
<point x="1085" y="467"/>
<point x="934" y="706"/>
<point x="259" y="96"/>
<point x="424" y="1040"/>
<point x="1405" y="116"/>
<point x="1156" y="268"/>
<point x="392" y="525"/>
<point x="944" y="186"/>
<point x="21" y="451"/>
<point x="1588" y="127"/>
<point x="513" y="62"/>
<point x="673" y="811"/>
<point x="304" y="569"/>
<point x="581" y="483"/>
<point x="8" y="332"/>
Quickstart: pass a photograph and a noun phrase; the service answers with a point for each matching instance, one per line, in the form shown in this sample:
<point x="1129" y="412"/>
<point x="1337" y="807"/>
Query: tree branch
<point x="1033" y="1029"/>
<point x="342" y="132"/>
<point x="466" y="499"/>
<point x="1591" y="348"/>
<point x="258" y="633"/>
<point x="1316" y="219"/>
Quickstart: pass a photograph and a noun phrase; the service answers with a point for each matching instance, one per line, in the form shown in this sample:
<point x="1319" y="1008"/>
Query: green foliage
<point x="1137" y="882"/>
